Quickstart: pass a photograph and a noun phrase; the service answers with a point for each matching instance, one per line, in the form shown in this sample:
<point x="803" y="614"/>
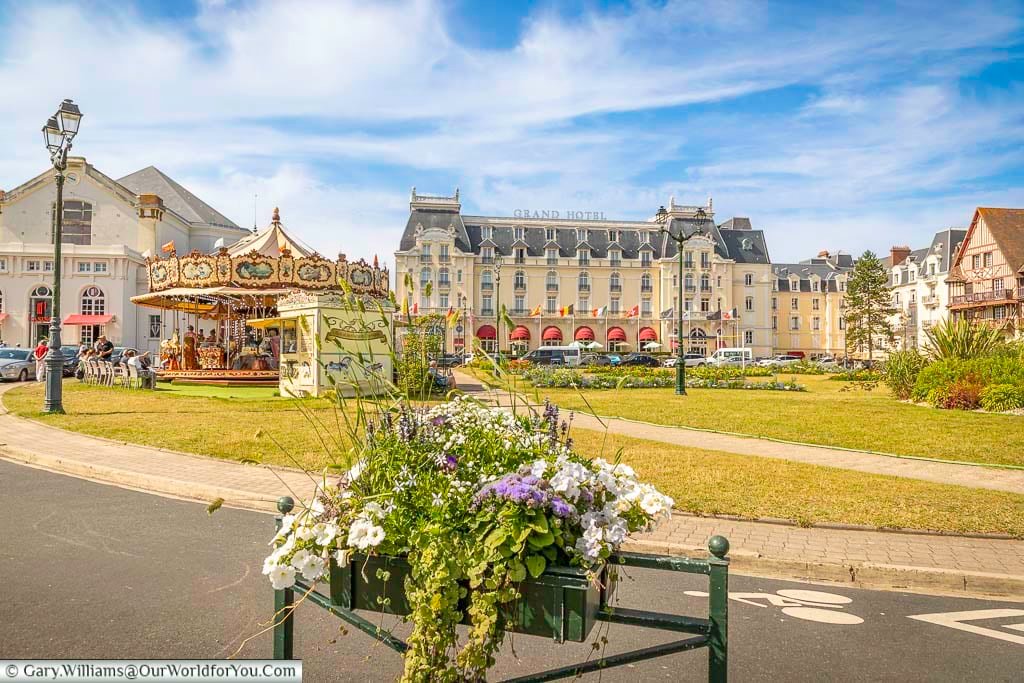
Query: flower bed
<point x="462" y="513"/>
<point x="561" y="378"/>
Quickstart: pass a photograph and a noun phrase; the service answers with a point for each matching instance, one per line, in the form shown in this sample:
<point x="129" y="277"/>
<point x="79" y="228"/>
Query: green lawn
<point x="824" y="414"/>
<point x="701" y="481"/>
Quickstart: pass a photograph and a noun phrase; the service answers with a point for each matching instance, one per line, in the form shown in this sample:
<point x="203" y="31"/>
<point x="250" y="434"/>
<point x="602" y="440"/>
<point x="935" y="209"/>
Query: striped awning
<point x="552" y="334"/>
<point x="648" y="334"/>
<point x="616" y="334"/>
<point x="584" y="334"/>
<point x="520" y="333"/>
<point x="486" y="332"/>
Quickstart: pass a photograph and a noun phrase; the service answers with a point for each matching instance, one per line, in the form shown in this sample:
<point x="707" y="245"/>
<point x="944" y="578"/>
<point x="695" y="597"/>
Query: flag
<point x="599" y="312"/>
<point x="566" y="310"/>
<point x="633" y="312"/>
<point x="168" y="247"/>
<point x="415" y="309"/>
<point x="535" y="312"/>
<point x="685" y="315"/>
<point x="667" y="314"/>
<point x="731" y="314"/>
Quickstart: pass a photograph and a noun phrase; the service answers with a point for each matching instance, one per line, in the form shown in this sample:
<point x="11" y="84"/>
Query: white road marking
<point x="1015" y="627"/>
<point x="822" y="616"/>
<point x="815" y="596"/>
<point x="958" y="621"/>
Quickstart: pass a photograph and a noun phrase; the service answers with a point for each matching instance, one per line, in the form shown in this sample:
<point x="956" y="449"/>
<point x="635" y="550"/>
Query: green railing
<point x="710" y="632"/>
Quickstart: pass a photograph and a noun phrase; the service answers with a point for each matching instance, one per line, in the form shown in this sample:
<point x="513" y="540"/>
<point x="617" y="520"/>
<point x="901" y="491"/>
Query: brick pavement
<point x="915" y="561"/>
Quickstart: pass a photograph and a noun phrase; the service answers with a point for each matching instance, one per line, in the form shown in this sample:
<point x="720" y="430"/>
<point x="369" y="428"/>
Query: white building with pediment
<point x="109" y="227"/>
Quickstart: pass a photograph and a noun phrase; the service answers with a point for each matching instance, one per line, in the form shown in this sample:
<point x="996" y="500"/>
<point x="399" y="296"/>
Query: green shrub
<point x="1002" y="397"/>
<point x="856" y="376"/>
<point x="963" y="339"/>
<point x="962" y="394"/>
<point x="901" y="371"/>
<point x="935" y="376"/>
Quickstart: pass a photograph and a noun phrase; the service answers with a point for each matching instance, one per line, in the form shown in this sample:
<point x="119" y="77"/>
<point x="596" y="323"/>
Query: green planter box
<point x="561" y="603"/>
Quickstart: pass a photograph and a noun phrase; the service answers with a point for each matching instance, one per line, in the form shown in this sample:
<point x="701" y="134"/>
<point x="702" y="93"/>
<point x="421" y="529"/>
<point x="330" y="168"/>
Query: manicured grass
<point x="701" y="481"/>
<point x="712" y="482"/>
<point x="824" y="414"/>
<point x="237" y="393"/>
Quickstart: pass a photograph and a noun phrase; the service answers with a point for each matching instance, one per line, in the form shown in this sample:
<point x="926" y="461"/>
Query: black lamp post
<point x="680" y="240"/>
<point x="497" y="301"/>
<point x="58" y="133"/>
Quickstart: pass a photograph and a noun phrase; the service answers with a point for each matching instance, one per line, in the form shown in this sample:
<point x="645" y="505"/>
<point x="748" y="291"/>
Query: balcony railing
<point x="487" y="259"/>
<point x="706" y="289"/>
<point x="486" y="286"/>
<point x="551" y="287"/>
<point x="583" y="262"/>
<point x="615" y="288"/>
<point x="646" y="288"/>
<point x="583" y="287"/>
<point x="982" y="297"/>
<point x="615" y="263"/>
<point x="426" y="258"/>
<point x="519" y="286"/>
<point x="688" y="264"/>
<point x="690" y="288"/>
<point x="552" y="260"/>
<point x="444" y="258"/>
<point x="930" y="300"/>
<point x="444" y="284"/>
<point x="519" y="311"/>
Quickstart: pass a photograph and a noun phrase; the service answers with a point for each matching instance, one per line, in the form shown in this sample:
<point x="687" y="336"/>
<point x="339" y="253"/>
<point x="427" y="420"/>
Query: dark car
<point x="595" y="359"/>
<point x="449" y="360"/>
<point x="118" y="354"/>
<point x="641" y="359"/>
<point x="70" y="354"/>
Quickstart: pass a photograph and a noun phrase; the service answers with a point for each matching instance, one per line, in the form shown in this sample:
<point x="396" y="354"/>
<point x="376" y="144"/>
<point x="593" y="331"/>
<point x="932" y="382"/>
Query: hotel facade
<point x="620" y="278"/>
<point x="808" y="304"/>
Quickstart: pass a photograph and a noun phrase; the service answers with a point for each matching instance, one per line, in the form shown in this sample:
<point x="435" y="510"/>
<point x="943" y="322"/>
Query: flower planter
<point x="562" y="603"/>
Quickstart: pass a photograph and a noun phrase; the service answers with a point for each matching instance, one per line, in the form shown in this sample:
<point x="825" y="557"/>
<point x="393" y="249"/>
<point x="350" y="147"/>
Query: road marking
<point x="958" y="621"/>
<point x="1015" y="627"/>
<point x="814" y="596"/>
<point x="823" y="616"/>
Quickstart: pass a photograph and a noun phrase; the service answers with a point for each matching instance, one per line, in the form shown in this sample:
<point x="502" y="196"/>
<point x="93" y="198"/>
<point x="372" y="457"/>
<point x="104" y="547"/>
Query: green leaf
<point x="536" y="565"/>
<point x="540" y="523"/>
<point x="550" y="552"/>
<point x="538" y="541"/>
<point x="495" y="538"/>
<point x="517" y="572"/>
<point x="214" y="505"/>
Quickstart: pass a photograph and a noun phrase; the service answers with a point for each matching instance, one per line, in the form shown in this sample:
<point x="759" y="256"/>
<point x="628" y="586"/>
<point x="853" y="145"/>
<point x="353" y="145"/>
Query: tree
<point x="868" y="304"/>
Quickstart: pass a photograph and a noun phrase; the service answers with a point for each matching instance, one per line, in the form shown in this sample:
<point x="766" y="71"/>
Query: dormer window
<point x="794" y="285"/>
<point x="645" y="237"/>
<point x="615" y="257"/>
<point x="815" y="286"/>
<point x="895" y="278"/>
<point x="583" y="257"/>
<point x="645" y="258"/>
<point x="581" y="235"/>
<point x="746" y="244"/>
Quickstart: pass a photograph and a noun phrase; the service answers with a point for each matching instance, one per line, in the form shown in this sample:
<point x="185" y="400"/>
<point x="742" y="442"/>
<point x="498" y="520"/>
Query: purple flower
<point x="439" y="420"/>
<point x="451" y="463"/>
<point x="560" y="508"/>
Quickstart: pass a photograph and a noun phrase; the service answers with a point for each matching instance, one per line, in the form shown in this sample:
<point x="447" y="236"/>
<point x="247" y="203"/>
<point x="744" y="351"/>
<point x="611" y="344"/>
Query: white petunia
<point x="653" y="503"/>
<point x="357" y="534"/>
<point x="282" y="576"/>
<point x="300" y="558"/>
<point x="304" y="533"/>
<point x="269" y="564"/>
<point x="373" y="508"/>
<point x="538" y="468"/>
<point x="374" y="535"/>
<point x="313" y="568"/>
<point x="325" y="533"/>
<point x="356" y="470"/>
<point x="343" y="556"/>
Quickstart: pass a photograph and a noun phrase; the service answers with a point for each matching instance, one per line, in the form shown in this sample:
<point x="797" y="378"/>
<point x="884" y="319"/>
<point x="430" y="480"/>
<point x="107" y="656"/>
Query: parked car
<point x="780" y="361"/>
<point x="640" y="359"/>
<point x="17" y="365"/>
<point x="118" y="353"/>
<point x="595" y="359"/>
<point x="449" y="360"/>
<point x="731" y="357"/>
<point x="70" y="354"/>
<point x="554" y="355"/>
<point x="614" y="358"/>
<point x="691" y="360"/>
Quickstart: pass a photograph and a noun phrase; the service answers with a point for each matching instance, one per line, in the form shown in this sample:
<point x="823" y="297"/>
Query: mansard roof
<point x="180" y="200"/>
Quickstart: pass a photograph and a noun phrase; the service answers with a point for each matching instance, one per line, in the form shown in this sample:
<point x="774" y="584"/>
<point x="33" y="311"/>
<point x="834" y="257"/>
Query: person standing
<point x="104" y="348"/>
<point x="39" y="353"/>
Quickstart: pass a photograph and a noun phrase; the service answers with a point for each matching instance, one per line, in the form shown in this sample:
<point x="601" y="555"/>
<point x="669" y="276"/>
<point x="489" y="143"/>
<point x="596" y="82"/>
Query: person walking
<point x="39" y="353"/>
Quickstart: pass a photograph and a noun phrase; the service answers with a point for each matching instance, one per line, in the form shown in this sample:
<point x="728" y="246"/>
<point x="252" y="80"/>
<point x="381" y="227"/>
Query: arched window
<point x="40" y="308"/>
<point x="705" y="283"/>
<point x="93" y="301"/>
<point x="487" y="279"/>
<point x="615" y="282"/>
<point x="583" y="281"/>
<point x="689" y="282"/>
<point x="426" y="276"/>
<point x="443" y="278"/>
<point x="749" y="303"/>
<point x="519" y="280"/>
<point x="551" y="281"/>
<point x="645" y="282"/>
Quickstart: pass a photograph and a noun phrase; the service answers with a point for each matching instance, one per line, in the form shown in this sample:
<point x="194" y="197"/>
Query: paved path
<point x="861" y="461"/>
<point x="921" y="561"/>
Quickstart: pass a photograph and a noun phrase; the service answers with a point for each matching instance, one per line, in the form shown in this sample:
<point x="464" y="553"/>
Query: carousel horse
<point x="169" y="349"/>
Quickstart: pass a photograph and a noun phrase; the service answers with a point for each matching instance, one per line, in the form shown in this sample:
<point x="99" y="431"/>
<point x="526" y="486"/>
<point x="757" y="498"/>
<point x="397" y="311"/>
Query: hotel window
<point x="748" y="303"/>
<point x="794" y="323"/>
<point x="842" y="285"/>
<point x="520" y="255"/>
<point x="705" y="305"/>
<point x="998" y="312"/>
<point x="488" y="305"/>
<point x="615" y="257"/>
<point x="705" y="259"/>
<point x="842" y="323"/>
<point x="549" y="234"/>
<point x="155" y="327"/>
<point x="748" y="337"/>
<point x="976" y="261"/>
<point x="987" y="256"/>
<point x="519" y="305"/>
<point x="614" y="307"/>
<point x="581" y="235"/>
<point x="913" y="298"/>
<point x="458" y="276"/>
<point x="615" y="283"/>
<point x="519" y="280"/>
<point x="645" y="237"/>
<point x="33" y="266"/>
<point x="645" y="308"/>
<point x="99" y="267"/>
<point x="518" y="233"/>
<point x="552" y="256"/>
<point x="688" y="305"/>
<point x="895" y="278"/>
<point x="551" y="280"/>
<point x="552" y="303"/>
<point x="794" y="304"/>
<point x="47" y="266"/>
<point x="486" y="280"/>
<point x="444" y="256"/>
<point x="896" y="298"/>
<point x="77" y="223"/>
<point x="488" y="254"/>
<point x="775" y="322"/>
<point x="997" y="285"/>
<point x="815" y="286"/>
<point x="748" y="279"/>
<point x="688" y="259"/>
<point x="645" y="283"/>
<point x="775" y="304"/>
<point x="718" y="282"/>
<point x="816" y="323"/>
<point x="425" y="253"/>
<point x="3" y="265"/>
<point x="443" y="278"/>
<point x="815" y="304"/>
<point x="583" y="257"/>
<point x="794" y="285"/>
<point x="675" y="280"/>
<point x="84" y="266"/>
<point x="583" y="282"/>
<point x="443" y="301"/>
<point x="912" y="275"/>
<point x="645" y="258"/>
<point x="583" y="306"/>
<point x="486" y="232"/>
<point x="426" y="276"/>
<point x="93" y="301"/>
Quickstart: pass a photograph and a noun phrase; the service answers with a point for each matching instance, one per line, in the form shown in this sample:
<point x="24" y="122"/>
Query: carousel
<point x="222" y="309"/>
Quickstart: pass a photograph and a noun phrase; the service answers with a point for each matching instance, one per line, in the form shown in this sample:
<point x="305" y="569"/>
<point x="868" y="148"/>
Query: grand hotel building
<point x="605" y="269"/>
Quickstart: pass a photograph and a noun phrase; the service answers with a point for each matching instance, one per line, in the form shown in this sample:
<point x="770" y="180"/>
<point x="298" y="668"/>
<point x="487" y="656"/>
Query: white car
<point x="780" y="361"/>
<point x="17" y="365"/>
<point x="690" y="360"/>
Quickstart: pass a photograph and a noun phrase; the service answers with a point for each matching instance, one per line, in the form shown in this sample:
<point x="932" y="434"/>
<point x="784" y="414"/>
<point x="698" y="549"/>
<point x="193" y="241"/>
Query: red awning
<point x="616" y="334"/>
<point x="552" y="334"/>
<point x="79" y="319"/>
<point x="519" y="334"/>
<point x="584" y="334"/>
<point x="486" y="332"/>
<point x="647" y="334"/>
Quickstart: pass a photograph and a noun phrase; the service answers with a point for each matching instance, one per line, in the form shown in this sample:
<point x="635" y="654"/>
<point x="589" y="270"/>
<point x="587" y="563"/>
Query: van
<point x="731" y="357"/>
<point x="554" y="355"/>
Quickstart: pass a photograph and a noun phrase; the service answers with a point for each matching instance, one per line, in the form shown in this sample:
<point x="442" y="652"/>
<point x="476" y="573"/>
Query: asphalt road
<point x="89" y="570"/>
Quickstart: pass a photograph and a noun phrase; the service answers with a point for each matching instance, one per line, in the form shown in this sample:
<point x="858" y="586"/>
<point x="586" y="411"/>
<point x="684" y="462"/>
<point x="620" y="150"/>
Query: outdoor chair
<point x="118" y="374"/>
<point x="133" y="378"/>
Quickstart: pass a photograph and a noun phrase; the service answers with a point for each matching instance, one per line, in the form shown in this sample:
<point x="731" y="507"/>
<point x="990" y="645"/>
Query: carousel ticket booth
<point x="228" y="328"/>
<point x="329" y="343"/>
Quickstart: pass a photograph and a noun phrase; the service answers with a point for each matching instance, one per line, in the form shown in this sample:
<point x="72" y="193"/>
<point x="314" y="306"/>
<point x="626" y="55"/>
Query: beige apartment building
<point x="620" y="278"/>
<point x="807" y="305"/>
<point x="920" y="294"/>
<point x="987" y="277"/>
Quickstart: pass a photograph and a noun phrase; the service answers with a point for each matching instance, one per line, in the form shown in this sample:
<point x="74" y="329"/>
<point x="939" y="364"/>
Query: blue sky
<point x="840" y="126"/>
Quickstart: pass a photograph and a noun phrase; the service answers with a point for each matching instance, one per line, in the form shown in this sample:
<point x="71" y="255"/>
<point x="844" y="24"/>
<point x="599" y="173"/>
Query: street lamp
<point x="497" y="300"/>
<point x="680" y="240"/>
<point x="59" y="131"/>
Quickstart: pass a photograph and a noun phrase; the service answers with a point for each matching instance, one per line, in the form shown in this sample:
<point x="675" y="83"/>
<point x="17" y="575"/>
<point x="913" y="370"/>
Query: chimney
<point x="899" y="254"/>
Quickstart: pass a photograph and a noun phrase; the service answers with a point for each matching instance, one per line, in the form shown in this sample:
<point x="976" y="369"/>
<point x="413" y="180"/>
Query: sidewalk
<point x="996" y="479"/>
<point x="925" y="562"/>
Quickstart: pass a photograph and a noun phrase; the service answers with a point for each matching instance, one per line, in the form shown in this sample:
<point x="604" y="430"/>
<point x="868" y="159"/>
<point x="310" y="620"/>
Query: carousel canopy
<point x="272" y="241"/>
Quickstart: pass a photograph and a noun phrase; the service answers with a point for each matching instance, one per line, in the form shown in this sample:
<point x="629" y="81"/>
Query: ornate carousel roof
<point x="266" y="264"/>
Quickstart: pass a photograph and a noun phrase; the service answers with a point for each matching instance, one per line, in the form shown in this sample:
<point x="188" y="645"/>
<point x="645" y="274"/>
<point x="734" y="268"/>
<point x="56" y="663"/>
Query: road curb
<point x="954" y="582"/>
